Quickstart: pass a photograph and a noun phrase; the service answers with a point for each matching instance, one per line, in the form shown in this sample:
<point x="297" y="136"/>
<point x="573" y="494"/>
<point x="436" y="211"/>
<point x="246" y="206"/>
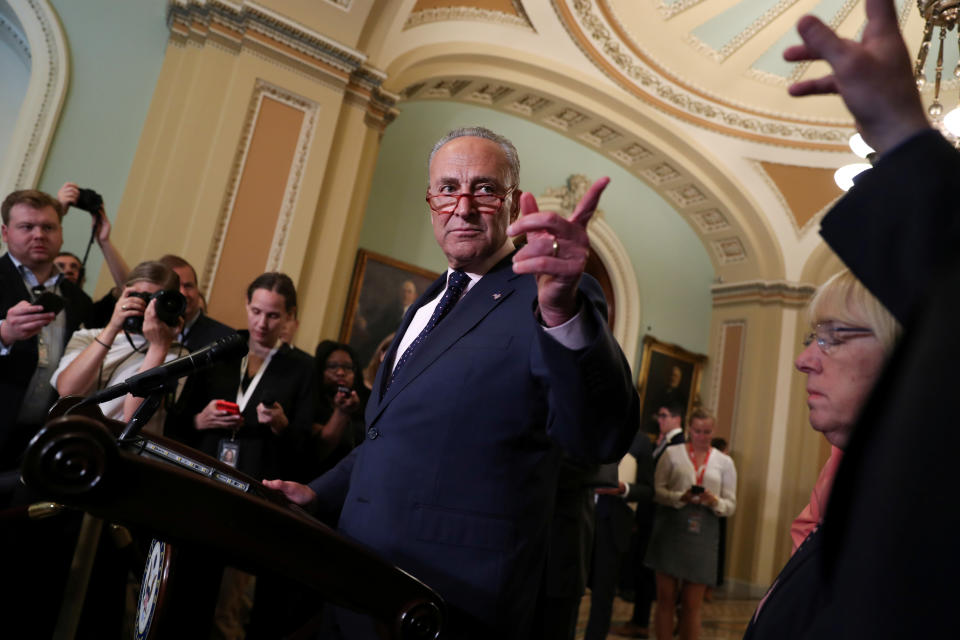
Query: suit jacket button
<point x="373" y="433"/>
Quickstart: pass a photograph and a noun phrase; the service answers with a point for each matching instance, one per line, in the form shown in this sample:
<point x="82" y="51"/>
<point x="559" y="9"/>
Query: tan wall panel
<point x="751" y="436"/>
<point x="733" y="336"/>
<point x="183" y="173"/>
<point x="256" y="208"/>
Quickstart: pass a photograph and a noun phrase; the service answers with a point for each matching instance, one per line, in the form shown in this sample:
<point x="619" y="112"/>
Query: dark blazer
<point x="795" y="597"/>
<point x="18" y="366"/>
<point x="891" y="561"/>
<point x="456" y="479"/>
<point x="289" y="380"/>
<point x="193" y="397"/>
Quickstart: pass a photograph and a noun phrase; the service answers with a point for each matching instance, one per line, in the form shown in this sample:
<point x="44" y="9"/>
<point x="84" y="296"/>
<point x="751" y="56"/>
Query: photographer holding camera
<point x="141" y="334"/>
<point x="71" y="195"/>
<point x="32" y="334"/>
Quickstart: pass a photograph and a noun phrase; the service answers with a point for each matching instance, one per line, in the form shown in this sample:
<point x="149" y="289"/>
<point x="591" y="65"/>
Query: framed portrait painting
<point x="668" y="375"/>
<point x="380" y="292"/>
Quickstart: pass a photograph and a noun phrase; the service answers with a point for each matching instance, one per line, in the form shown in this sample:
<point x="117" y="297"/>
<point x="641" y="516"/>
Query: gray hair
<point x="509" y="151"/>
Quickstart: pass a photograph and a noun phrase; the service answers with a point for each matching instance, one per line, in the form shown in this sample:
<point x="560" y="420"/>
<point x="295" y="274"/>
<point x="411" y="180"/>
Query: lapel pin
<point x="496" y="296"/>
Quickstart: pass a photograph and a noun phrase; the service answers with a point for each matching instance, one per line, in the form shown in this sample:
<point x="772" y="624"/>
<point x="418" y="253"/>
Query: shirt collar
<point x="29" y="276"/>
<point x="485" y="266"/>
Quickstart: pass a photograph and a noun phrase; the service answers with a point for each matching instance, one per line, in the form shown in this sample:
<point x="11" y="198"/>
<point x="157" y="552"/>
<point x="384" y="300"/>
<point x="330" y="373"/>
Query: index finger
<point x="588" y="203"/>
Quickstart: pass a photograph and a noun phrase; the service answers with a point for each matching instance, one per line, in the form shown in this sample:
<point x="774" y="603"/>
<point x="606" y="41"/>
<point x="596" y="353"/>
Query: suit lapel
<point x="485" y="296"/>
<point x="10" y="274"/>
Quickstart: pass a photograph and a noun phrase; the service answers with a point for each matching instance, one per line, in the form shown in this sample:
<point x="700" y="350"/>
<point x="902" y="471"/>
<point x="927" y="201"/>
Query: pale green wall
<point x="673" y="269"/>
<point x="116" y="50"/>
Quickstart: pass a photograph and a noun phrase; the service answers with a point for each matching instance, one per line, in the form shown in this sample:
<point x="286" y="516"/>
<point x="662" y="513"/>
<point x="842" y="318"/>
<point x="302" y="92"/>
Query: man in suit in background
<point x="199" y="330"/>
<point x="479" y="397"/>
<point x="615" y="522"/>
<point x="31" y="340"/>
<point x="670" y="425"/>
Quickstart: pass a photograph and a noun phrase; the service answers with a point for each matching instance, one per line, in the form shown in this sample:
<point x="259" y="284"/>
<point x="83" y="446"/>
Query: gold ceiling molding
<point x="473" y="14"/>
<point x="693" y="200"/>
<point x="596" y="32"/>
<point x="804" y="192"/>
<point x="741" y="38"/>
<point x="250" y="27"/>
<point x="779" y="292"/>
<point x="670" y="9"/>
<point x="200" y="19"/>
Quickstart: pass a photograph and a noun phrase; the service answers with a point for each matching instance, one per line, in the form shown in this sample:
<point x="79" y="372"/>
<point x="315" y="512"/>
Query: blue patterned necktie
<point x="456" y="283"/>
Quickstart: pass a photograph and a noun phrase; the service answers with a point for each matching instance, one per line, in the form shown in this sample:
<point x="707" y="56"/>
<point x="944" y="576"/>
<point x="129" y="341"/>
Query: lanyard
<point x="244" y="396"/>
<point x="698" y="471"/>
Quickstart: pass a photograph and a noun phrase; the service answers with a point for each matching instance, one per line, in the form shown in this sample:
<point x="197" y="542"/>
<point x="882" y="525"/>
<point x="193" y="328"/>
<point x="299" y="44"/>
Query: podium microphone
<point x="144" y="383"/>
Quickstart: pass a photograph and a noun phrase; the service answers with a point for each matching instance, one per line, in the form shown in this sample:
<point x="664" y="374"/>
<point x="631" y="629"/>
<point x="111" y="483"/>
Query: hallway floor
<point x="722" y="619"/>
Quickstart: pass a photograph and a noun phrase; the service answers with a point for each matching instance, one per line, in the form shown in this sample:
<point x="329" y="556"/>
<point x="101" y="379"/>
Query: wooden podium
<point x="186" y="498"/>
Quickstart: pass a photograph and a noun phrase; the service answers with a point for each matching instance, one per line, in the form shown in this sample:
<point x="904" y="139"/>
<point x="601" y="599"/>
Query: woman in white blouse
<point x="97" y="358"/>
<point x="695" y="485"/>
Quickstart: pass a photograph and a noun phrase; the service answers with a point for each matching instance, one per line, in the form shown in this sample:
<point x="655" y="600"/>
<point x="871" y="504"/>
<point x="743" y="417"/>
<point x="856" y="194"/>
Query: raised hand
<point x="556" y="252"/>
<point x="873" y="76"/>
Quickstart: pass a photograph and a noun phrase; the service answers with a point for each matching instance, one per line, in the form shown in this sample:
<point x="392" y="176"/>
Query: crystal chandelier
<point x="942" y="14"/>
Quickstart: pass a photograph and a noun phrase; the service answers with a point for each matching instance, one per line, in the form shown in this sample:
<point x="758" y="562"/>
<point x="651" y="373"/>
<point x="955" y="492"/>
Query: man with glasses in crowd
<point x="503" y="364"/>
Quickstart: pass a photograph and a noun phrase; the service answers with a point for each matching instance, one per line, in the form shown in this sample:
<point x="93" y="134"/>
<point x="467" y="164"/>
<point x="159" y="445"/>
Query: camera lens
<point x="170" y="306"/>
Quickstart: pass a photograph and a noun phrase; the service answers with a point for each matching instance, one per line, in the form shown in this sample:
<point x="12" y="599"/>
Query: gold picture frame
<point x="379" y="296"/>
<point x="660" y="362"/>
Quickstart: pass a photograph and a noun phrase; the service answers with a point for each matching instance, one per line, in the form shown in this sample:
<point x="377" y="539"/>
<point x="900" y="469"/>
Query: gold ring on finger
<point x="123" y="307"/>
<point x="556" y="246"/>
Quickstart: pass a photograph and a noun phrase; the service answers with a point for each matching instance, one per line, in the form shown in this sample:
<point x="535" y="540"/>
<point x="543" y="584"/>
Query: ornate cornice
<point x="474" y="14"/>
<point x="779" y="292"/>
<point x="594" y="29"/>
<point x="249" y="26"/>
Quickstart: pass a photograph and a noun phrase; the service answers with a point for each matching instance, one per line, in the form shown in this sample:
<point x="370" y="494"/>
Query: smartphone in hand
<point x="230" y="407"/>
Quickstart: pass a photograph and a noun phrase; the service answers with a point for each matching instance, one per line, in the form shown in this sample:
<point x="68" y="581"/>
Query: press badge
<point x="695" y="523"/>
<point x="228" y="452"/>
<point x="43" y="353"/>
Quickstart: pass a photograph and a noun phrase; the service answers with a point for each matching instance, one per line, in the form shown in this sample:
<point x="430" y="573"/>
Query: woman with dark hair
<point x="134" y="340"/>
<point x="370" y="372"/>
<point x="259" y="409"/>
<point x="340" y="405"/>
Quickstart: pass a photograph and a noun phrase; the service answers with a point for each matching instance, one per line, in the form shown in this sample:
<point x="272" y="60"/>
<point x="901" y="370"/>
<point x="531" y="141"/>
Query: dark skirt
<point x="684" y="543"/>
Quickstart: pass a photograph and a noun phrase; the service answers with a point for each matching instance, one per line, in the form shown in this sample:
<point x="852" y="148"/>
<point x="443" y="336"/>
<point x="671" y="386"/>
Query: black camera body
<point x="89" y="200"/>
<point x="170" y="306"/>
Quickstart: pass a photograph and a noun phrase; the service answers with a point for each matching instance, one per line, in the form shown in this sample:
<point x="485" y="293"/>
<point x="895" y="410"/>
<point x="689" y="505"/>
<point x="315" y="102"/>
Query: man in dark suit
<point x="199" y="330"/>
<point x="890" y="563"/>
<point x="31" y="341"/>
<point x="615" y="522"/>
<point x="670" y="425"/>
<point x="478" y="398"/>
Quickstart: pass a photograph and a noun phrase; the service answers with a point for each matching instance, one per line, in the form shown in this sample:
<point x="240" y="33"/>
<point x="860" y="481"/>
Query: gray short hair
<point x="510" y="151"/>
<point x="843" y="297"/>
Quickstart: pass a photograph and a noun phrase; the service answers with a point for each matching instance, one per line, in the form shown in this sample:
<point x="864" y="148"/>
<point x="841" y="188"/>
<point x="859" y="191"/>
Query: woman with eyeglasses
<point x="343" y="397"/>
<point x="852" y="336"/>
